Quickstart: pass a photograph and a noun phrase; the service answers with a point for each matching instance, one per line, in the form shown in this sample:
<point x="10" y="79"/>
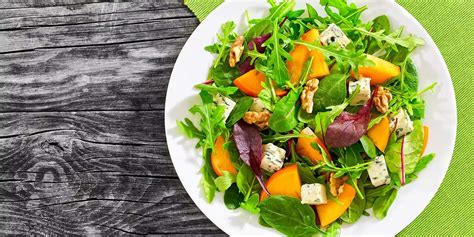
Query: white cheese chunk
<point x="257" y="105"/>
<point x="364" y="91"/>
<point x="273" y="158"/>
<point x="313" y="194"/>
<point x="334" y="34"/>
<point x="378" y="172"/>
<point x="402" y="123"/>
<point x="226" y="102"/>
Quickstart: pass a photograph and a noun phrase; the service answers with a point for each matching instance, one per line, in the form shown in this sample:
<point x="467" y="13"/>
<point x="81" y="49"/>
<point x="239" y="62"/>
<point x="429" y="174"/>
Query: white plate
<point x="192" y="66"/>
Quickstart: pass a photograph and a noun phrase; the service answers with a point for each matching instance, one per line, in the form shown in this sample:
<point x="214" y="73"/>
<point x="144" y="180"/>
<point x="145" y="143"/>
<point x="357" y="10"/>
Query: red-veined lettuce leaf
<point x="348" y="128"/>
<point x="249" y="143"/>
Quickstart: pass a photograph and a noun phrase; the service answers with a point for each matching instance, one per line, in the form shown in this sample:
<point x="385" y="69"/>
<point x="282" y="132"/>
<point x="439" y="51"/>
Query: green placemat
<point x="451" y="25"/>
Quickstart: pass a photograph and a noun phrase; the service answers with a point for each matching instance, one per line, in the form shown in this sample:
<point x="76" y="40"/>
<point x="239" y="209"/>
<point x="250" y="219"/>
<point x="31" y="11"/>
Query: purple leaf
<point x="249" y="143"/>
<point x="258" y="41"/>
<point x="348" y="128"/>
<point x="245" y="66"/>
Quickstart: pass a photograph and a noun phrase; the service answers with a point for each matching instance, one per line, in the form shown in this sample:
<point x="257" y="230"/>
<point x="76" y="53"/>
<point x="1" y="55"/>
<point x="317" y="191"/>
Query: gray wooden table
<point x="82" y="141"/>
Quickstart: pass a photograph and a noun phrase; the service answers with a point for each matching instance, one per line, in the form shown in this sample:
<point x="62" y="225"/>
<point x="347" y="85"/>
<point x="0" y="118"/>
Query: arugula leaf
<point x="232" y="197"/>
<point x="408" y="41"/>
<point x="224" y="181"/>
<point x="213" y="90"/>
<point x="223" y="74"/>
<point x="343" y="56"/>
<point x="212" y="120"/>
<point x="240" y="108"/>
<point x="411" y="151"/>
<point x="382" y="204"/>
<point x="281" y="137"/>
<point x="207" y="179"/>
<point x="284" y="116"/>
<point x="187" y="128"/>
<point x="289" y="216"/>
<point x="331" y="91"/>
<point x="225" y="38"/>
<point x="266" y="97"/>
<point x="276" y="63"/>
<point x="280" y="10"/>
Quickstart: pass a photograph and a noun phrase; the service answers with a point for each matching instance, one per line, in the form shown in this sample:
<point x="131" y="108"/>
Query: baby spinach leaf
<point x="382" y="204"/>
<point x="331" y="91"/>
<point x="232" y="197"/>
<point x="262" y="222"/>
<point x="240" y="108"/>
<point x="246" y="180"/>
<point x="307" y="176"/>
<point x="284" y="116"/>
<point x="289" y="216"/>
<point x="368" y="146"/>
<point x="224" y="181"/>
<point x="411" y="150"/>
<point x="420" y="166"/>
<point x="251" y="204"/>
<point x="333" y="230"/>
<point x="260" y="28"/>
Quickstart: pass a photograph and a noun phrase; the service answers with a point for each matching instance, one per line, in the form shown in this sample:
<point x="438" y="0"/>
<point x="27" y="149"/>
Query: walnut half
<point x="336" y="185"/>
<point x="307" y="95"/>
<point x="381" y="100"/>
<point x="236" y="51"/>
<point x="258" y="118"/>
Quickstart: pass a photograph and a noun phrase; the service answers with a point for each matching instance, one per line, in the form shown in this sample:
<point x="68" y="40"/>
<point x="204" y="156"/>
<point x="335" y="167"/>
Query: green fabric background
<point x="451" y="25"/>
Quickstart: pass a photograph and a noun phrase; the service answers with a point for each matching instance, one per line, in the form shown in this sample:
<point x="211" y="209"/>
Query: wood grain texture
<point x="82" y="142"/>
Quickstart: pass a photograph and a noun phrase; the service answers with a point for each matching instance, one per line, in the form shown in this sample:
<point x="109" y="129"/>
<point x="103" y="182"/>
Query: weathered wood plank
<point x="105" y="13"/>
<point x="113" y="77"/>
<point x="93" y="27"/>
<point x="86" y="171"/>
<point x="91" y="172"/>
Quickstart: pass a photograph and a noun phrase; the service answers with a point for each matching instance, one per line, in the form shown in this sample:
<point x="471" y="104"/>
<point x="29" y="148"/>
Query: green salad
<point x="310" y="119"/>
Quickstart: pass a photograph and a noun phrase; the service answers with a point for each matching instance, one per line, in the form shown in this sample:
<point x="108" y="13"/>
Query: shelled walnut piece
<point x="258" y="118"/>
<point x="382" y="99"/>
<point x="236" y="51"/>
<point x="336" y="185"/>
<point x="307" y="95"/>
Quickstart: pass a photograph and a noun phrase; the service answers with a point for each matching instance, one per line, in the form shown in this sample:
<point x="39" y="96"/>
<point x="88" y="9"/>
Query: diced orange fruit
<point x="300" y="54"/>
<point x="380" y="133"/>
<point x="381" y="72"/>
<point x="305" y="149"/>
<point x="332" y="210"/>
<point x="284" y="182"/>
<point x="251" y="83"/>
<point x="220" y="158"/>
<point x="426" y="134"/>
